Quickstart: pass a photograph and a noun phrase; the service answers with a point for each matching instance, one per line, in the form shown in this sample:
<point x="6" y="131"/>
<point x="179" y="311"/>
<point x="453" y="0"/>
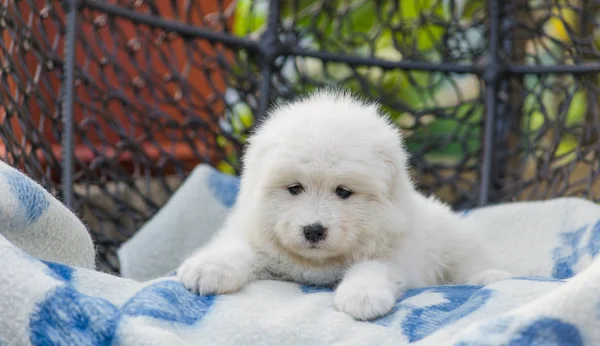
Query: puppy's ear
<point x="255" y="149"/>
<point x="390" y="167"/>
<point x="395" y="164"/>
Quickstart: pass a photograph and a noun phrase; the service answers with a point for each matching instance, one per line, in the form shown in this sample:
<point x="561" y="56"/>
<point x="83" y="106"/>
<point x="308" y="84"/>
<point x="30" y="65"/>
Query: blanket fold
<point x="39" y="224"/>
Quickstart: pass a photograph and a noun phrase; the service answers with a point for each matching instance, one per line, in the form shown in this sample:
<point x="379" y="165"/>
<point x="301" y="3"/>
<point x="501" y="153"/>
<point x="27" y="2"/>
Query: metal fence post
<point x="268" y="52"/>
<point x="492" y="73"/>
<point x="510" y="101"/>
<point x="68" y="166"/>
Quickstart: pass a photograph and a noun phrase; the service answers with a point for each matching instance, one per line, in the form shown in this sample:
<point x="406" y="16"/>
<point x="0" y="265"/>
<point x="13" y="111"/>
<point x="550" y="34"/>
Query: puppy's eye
<point x="295" y="189"/>
<point x="343" y="193"/>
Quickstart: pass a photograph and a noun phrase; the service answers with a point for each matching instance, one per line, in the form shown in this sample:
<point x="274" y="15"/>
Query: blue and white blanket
<point x="50" y="294"/>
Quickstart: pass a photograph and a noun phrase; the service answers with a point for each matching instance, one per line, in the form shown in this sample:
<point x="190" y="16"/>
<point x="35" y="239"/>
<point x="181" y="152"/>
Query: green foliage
<point x="362" y="27"/>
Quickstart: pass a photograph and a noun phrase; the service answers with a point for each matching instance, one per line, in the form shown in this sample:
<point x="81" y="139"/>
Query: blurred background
<point x="498" y="99"/>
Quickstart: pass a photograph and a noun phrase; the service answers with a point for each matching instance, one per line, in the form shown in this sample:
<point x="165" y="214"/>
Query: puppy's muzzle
<point x="315" y="233"/>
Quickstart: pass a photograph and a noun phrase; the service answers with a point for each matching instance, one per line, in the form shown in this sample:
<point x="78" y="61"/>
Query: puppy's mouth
<point x="309" y="249"/>
<point x="317" y="252"/>
<point x="306" y="249"/>
<point x="313" y="255"/>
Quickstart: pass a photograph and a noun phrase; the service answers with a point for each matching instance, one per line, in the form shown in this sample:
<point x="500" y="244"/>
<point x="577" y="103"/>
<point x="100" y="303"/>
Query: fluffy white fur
<point x="384" y="238"/>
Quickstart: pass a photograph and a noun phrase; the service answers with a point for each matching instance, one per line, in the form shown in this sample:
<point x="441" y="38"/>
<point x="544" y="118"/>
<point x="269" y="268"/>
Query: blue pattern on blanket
<point x="594" y="242"/>
<point x="224" y="187"/>
<point x="567" y="255"/>
<point x="308" y="289"/>
<point x="547" y="331"/>
<point x="68" y="317"/>
<point x="452" y="303"/>
<point x="31" y="197"/>
<point x="447" y="304"/>
<point x="168" y="301"/>
<point x="60" y="271"/>
<point x="465" y="212"/>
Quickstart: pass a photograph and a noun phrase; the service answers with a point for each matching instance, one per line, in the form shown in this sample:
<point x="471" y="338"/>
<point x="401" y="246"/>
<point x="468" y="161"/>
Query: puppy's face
<point x="324" y="179"/>
<point x="321" y="208"/>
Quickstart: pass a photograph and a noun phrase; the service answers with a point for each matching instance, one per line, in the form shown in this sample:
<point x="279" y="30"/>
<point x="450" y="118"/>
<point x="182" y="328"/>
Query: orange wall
<point x="207" y="88"/>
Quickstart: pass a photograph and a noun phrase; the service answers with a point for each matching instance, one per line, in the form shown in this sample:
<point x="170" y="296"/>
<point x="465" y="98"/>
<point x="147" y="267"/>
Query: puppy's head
<point x="326" y="174"/>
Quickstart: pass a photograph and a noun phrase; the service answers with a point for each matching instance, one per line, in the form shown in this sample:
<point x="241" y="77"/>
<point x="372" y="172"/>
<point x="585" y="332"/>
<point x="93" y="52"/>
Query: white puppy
<point x="326" y="198"/>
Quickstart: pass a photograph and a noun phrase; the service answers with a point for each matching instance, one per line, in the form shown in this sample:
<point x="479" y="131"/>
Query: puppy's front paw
<point x="363" y="302"/>
<point x="488" y="277"/>
<point x="217" y="274"/>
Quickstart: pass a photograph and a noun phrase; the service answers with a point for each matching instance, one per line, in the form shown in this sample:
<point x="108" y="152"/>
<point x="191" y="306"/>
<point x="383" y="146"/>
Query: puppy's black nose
<point x="314" y="233"/>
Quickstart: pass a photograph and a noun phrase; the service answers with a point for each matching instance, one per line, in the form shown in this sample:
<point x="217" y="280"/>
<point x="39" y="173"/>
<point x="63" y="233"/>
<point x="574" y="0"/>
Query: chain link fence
<point x="110" y="104"/>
